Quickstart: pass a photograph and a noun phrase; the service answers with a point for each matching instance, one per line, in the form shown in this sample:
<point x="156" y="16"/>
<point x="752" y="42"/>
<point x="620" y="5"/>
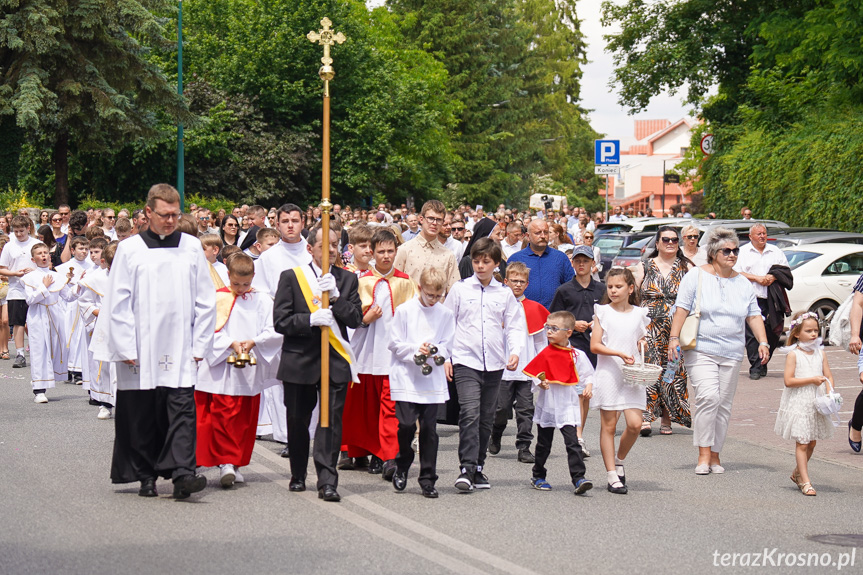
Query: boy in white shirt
<point x="15" y="262"/>
<point x="43" y="288"/>
<point x="488" y="322"/>
<point x="76" y="340"/>
<point x="212" y="245"/>
<point x="417" y="326"/>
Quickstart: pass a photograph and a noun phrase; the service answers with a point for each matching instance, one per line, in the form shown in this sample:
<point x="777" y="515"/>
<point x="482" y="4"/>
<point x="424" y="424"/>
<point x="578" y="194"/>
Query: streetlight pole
<point x="180" y="151"/>
<point x="663" y="188"/>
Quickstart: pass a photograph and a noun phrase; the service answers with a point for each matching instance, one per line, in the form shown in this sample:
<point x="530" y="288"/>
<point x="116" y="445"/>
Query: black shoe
<point x="376" y="466"/>
<point x="480" y="481"/>
<point x="400" y="480"/>
<point x="494" y="445"/>
<point x="388" y="470"/>
<point x="188" y="484"/>
<point x="148" y="488"/>
<point x="525" y="456"/>
<point x="855" y="445"/>
<point x="19" y="362"/>
<point x="464" y="483"/>
<point x="430" y="492"/>
<point x="296" y="485"/>
<point x="763" y="371"/>
<point x="361" y="462"/>
<point x="755" y="376"/>
<point x="285" y="452"/>
<point x="622" y="490"/>
<point x="329" y="493"/>
<point x="94" y="402"/>
<point x="345" y="463"/>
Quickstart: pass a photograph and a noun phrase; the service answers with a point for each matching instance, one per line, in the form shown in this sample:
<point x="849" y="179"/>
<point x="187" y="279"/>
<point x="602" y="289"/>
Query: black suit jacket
<point x="301" y="350"/>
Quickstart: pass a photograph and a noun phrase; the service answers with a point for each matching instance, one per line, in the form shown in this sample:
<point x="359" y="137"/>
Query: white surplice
<point x="46" y="325"/>
<point x="159" y="310"/>
<point x="76" y="340"/>
<point x="100" y="377"/>
<point x="251" y="319"/>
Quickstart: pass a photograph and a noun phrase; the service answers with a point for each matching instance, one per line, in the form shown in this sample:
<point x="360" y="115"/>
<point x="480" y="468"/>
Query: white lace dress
<point x="620" y="332"/>
<point x="797" y="418"/>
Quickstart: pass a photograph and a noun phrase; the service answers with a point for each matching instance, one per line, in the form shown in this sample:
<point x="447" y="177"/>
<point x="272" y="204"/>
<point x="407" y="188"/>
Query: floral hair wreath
<point x="801" y="318"/>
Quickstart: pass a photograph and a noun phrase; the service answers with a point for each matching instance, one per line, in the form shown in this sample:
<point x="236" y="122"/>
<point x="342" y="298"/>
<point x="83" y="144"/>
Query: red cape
<point x="536" y="315"/>
<point x="556" y="364"/>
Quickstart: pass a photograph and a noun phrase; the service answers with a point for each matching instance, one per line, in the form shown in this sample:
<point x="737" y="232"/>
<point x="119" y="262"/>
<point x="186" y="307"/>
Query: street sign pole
<point x="663" y="189"/>
<point x="606" y="198"/>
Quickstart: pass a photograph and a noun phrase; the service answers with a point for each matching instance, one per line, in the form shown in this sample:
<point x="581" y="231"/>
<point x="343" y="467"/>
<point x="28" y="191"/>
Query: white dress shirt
<point x="756" y="263"/>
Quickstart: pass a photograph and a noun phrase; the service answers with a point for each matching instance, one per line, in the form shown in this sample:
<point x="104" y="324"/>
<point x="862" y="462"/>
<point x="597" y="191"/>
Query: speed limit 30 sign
<point x="707" y="144"/>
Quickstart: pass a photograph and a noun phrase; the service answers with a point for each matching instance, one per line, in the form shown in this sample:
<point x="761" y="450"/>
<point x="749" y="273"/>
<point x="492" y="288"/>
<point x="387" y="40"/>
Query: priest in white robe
<point x="160" y="308"/>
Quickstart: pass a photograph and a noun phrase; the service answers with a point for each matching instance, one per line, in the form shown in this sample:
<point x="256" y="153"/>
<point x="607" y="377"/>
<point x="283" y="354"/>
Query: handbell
<point x="427" y="369"/>
<point x="420" y="359"/>
<point x="232" y="359"/>
<point x="433" y="350"/>
<point x="439" y="360"/>
<point x="253" y="361"/>
<point x="244" y="357"/>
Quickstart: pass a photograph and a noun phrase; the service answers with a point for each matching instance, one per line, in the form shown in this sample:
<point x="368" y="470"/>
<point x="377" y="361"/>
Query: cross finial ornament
<point x="326" y="38"/>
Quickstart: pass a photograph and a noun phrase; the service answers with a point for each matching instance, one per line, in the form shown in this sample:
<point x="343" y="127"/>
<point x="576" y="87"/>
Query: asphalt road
<point x="61" y="514"/>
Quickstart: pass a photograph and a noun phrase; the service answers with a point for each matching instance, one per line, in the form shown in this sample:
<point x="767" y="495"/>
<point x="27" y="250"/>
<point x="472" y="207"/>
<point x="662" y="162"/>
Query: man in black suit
<point x="257" y="216"/>
<point x="297" y="296"/>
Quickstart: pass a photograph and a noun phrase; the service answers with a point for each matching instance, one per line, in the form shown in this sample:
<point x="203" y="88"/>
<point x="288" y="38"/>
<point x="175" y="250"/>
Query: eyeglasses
<point x="669" y="240"/>
<point x="459" y="229"/>
<point x="168" y="216"/>
<point x="727" y="252"/>
<point x="588" y="237"/>
<point x="431" y="297"/>
<point x="110" y="217"/>
<point x="517" y="282"/>
<point x="553" y="328"/>
<point x="692" y="237"/>
<point x="433" y="220"/>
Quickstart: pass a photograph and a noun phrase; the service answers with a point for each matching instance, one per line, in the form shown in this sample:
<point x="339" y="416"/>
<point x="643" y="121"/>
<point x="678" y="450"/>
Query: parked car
<point x="632" y="254"/>
<point x="637" y="225"/>
<point x="804" y="236"/>
<point x="610" y="244"/>
<point x="824" y="276"/>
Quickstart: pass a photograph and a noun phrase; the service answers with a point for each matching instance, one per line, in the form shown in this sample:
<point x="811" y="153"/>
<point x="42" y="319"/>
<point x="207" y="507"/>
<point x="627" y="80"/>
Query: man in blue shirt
<point x="549" y="268"/>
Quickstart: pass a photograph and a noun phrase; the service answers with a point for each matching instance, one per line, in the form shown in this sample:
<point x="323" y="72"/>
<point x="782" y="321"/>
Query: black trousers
<point x="857" y="416"/>
<point x="516" y="393"/>
<point x="155" y="434"/>
<point x="477" y="394"/>
<point x="408" y="413"/>
<point x="574" y="454"/>
<point x="300" y="401"/>
<point x="752" y="342"/>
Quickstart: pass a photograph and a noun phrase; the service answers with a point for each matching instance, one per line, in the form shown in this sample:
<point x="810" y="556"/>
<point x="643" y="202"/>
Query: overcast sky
<point x="607" y="116"/>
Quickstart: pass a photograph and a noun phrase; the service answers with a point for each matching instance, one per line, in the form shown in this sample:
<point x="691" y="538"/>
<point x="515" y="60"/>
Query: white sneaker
<point x="104" y="413"/>
<point x="584" y="448"/>
<point x="227" y="475"/>
<point x="40" y="398"/>
<point x="238" y="477"/>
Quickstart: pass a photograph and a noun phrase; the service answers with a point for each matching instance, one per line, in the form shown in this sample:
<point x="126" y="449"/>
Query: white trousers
<point x="714" y="380"/>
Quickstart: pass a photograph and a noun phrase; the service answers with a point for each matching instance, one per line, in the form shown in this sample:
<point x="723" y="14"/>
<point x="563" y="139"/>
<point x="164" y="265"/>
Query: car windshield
<point x="797" y="258"/>
<point x="609" y="246"/>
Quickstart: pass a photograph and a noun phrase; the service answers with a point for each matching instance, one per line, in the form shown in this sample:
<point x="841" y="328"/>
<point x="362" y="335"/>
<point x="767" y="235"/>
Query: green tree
<point x="77" y="73"/>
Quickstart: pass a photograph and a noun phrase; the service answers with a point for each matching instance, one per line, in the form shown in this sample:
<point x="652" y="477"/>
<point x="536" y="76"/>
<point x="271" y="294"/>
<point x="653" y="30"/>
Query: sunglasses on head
<point x="729" y="251"/>
<point x="669" y="240"/>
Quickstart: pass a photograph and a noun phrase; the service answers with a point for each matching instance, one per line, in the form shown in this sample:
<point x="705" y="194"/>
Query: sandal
<point x="665" y="430"/>
<point x="4" y="355"/>
<point x="807" y="489"/>
<point x="795" y="477"/>
<point x="645" y="429"/>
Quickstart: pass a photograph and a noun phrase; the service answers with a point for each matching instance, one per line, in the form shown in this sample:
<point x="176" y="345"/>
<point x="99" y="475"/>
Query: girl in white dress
<point x="618" y="327"/>
<point x="806" y="372"/>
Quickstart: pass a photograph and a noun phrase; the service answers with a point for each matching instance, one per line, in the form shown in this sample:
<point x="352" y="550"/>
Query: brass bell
<point x="253" y="361"/>
<point x="232" y="359"/>
<point x="439" y="360"/>
<point x="427" y="369"/>
<point x="432" y="350"/>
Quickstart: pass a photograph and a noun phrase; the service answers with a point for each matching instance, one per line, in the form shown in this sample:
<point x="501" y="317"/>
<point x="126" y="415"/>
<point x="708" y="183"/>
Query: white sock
<point x="613" y="478"/>
<point x="20" y="351"/>
<point x="617" y="460"/>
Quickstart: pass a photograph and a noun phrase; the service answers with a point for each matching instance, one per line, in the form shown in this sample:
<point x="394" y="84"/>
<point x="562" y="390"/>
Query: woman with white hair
<point x="727" y="303"/>
<point x="689" y="245"/>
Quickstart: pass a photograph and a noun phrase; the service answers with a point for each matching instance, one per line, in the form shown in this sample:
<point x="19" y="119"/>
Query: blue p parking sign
<point x="607" y="152"/>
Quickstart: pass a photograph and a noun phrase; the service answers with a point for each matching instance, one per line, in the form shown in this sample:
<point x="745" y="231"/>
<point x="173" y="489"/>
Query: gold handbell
<point x="232" y="359"/>
<point x="253" y="361"/>
<point x="242" y="360"/>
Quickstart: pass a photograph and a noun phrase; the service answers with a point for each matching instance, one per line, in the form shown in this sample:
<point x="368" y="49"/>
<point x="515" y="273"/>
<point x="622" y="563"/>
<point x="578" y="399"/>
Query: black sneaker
<point x="464" y="483"/>
<point x="494" y="445"/>
<point x="188" y="484"/>
<point x="345" y="463"/>
<point x="525" y="456"/>
<point x="480" y="481"/>
<point x="19" y="362"/>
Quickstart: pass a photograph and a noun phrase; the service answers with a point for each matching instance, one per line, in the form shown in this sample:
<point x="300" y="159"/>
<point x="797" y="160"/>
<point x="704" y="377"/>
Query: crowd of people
<point x="198" y="332"/>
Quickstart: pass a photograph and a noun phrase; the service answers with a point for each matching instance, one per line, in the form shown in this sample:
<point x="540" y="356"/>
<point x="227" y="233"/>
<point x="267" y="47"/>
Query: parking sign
<point x="607" y="152"/>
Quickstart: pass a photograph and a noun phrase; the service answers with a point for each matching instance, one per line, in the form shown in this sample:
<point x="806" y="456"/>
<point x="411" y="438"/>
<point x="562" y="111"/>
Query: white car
<point x="824" y="276"/>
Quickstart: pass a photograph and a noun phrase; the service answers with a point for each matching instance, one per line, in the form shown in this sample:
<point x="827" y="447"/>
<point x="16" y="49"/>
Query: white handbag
<point x="688" y="337"/>
<point x="828" y="404"/>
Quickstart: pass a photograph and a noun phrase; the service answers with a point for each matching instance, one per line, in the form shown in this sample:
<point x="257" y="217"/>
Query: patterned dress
<point x="658" y="295"/>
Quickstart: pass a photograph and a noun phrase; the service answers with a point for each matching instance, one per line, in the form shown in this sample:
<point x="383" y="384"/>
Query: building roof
<point x="645" y="128"/>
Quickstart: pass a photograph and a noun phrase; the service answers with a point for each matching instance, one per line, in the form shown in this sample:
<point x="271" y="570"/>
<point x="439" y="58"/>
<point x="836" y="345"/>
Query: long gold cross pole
<point x="326" y="38"/>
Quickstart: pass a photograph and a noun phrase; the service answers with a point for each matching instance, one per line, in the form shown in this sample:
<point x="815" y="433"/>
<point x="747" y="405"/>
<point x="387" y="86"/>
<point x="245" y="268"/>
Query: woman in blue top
<point x="727" y="303"/>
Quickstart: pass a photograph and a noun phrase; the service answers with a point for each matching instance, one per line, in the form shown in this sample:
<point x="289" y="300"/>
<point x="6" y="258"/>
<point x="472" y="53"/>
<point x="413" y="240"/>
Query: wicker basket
<point x="640" y="373"/>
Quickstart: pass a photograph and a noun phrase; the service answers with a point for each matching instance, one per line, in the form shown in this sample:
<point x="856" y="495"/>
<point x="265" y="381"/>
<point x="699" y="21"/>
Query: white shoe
<point x="227" y="475"/>
<point x="583" y="447"/>
<point x="238" y="477"/>
<point x="104" y="413"/>
<point x="40" y="398"/>
<point x="717" y="469"/>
